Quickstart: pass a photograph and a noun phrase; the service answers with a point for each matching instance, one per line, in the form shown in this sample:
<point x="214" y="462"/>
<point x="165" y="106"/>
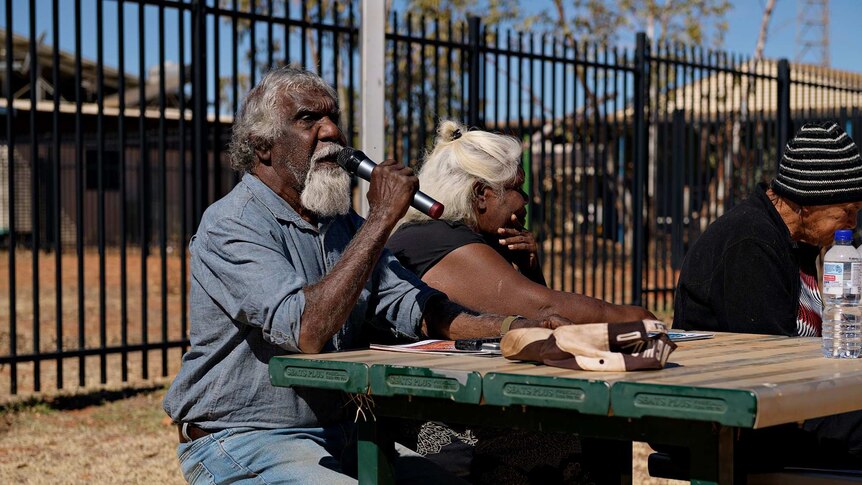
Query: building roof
<point x="21" y="84"/>
<point x="812" y="88"/>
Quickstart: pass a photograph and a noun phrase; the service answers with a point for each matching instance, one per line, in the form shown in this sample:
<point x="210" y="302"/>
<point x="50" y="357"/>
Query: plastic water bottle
<point x="842" y="318"/>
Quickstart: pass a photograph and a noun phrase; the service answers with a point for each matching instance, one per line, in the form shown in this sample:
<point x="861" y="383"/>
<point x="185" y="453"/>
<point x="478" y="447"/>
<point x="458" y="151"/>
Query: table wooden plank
<point x="691" y="361"/>
<point x="347" y="356"/>
<point x="692" y="353"/>
<point x="723" y="339"/>
<point x="802" y="400"/>
<point x="762" y="373"/>
<point x="536" y="369"/>
<point x="761" y="381"/>
<point x="684" y="372"/>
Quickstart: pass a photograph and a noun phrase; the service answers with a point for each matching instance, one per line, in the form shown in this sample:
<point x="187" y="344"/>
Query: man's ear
<point x="262" y="151"/>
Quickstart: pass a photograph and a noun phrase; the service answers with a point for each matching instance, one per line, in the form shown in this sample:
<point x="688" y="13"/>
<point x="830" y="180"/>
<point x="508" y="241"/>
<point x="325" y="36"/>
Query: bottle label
<point x="833" y="278"/>
<point x="855" y="278"/>
<point x="842" y="278"/>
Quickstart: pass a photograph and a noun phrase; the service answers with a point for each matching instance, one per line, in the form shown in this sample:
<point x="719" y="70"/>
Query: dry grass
<point x="118" y="436"/>
<point x="106" y="430"/>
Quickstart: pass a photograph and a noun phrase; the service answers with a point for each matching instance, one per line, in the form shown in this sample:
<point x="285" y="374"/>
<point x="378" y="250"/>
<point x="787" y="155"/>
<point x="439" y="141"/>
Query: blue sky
<point x="744" y="26"/>
<point x="844" y="28"/>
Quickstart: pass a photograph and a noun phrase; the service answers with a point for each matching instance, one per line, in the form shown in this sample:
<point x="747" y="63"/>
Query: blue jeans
<point x="296" y="455"/>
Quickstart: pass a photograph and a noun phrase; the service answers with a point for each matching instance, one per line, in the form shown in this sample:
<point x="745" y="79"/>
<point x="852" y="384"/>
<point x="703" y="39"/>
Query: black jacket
<point x="742" y="274"/>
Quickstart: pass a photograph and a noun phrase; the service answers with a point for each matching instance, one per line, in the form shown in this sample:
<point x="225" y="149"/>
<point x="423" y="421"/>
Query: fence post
<point x="785" y="130"/>
<point x="372" y="41"/>
<point x="844" y="120"/>
<point x="677" y="187"/>
<point x="641" y="85"/>
<point x="475" y="27"/>
<point x="200" y="184"/>
<point x="855" y="123"/>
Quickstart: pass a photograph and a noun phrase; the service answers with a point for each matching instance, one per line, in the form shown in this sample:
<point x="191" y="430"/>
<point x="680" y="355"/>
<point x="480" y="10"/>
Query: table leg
<point x="712" y="458"/>
<point x="608" y="461"/>
<point x="376" y="453"/>
<point x="624" y="462"/>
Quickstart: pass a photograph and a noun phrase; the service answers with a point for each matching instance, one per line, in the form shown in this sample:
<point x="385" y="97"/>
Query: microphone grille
<point x="344" y="158"/>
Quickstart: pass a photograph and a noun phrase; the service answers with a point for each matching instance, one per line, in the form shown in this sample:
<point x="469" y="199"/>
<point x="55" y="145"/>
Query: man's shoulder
<point x="746" y="221"/>
<point x="238" y="204"/>
<point x="745" y="229"/>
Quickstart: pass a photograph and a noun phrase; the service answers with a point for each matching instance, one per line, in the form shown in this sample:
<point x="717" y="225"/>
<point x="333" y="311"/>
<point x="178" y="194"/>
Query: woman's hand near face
<point x="524" y="248"/>
<point x="516" y="238"/>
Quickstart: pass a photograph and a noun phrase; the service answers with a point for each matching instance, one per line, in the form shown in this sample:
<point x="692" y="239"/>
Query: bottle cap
<point x="844" y="235"/>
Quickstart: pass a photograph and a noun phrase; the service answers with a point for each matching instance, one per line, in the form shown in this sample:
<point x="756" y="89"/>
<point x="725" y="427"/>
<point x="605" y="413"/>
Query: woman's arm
<point x="447" y="320"/>
<point x="477" y="277"/>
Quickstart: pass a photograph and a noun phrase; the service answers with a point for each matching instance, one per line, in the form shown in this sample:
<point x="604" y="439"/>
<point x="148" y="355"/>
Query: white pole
<point x="372" y="51"/>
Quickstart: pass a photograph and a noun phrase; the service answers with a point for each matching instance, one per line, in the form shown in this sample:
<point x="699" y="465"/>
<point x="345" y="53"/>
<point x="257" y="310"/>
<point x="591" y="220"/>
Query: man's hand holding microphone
<point x="393" y="186"/>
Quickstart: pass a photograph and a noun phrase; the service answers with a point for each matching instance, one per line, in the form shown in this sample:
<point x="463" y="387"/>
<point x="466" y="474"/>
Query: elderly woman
<point x="754" y="270"/>
<point x="478" y="253"/>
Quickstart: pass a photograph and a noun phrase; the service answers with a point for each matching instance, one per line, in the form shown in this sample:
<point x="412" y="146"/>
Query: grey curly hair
<point x="260" y="119"/>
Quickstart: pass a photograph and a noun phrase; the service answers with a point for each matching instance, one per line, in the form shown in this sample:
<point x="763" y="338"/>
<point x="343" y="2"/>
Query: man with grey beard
<point x="281" y="265"/>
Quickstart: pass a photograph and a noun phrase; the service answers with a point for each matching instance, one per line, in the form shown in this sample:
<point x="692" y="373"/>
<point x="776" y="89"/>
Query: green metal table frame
<point x="711" y="444"/>
<point x="700" y="419"/>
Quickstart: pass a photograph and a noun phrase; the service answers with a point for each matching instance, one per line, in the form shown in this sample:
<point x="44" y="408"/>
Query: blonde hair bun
<point x="450" y="172"/>
<point x="449" y="131"/>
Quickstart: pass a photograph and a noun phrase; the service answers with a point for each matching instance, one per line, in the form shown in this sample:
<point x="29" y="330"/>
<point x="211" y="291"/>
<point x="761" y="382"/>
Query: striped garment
<point x="808" y="318"/>
<point x="820" y="165"/>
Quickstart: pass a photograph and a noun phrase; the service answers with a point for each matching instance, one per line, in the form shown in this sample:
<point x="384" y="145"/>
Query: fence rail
<point x="116" y="123"/>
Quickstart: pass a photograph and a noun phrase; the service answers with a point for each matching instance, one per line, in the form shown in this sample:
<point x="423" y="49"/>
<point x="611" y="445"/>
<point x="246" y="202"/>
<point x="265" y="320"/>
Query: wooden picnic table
<point x="708" y="389"/>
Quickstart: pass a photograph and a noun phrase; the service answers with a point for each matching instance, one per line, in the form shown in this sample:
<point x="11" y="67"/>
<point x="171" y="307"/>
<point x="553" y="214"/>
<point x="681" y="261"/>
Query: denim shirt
<point x="251" y="259"/>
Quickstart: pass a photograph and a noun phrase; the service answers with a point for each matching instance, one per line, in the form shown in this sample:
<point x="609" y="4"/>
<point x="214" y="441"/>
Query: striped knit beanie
<point x="821" y="166"/>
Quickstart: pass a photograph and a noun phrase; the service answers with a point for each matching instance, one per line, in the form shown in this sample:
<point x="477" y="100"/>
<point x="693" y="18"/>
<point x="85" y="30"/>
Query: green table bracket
<point x="730" y="407"/>
<point x="349" y="377"/>
<point x="454" y="385"/>
<point x="585" y="396"/>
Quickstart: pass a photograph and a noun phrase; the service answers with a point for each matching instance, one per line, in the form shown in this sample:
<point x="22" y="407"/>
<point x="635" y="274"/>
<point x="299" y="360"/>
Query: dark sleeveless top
<point x="421" y="245"/>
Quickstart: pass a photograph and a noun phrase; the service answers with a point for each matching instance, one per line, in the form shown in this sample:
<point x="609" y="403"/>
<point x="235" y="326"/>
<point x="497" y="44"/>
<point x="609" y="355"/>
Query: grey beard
<point x="327" y="192"/>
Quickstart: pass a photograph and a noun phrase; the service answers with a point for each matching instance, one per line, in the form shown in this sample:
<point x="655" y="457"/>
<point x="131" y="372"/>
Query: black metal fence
<point x="116" y="129"/>
<point x="630" y="152"/>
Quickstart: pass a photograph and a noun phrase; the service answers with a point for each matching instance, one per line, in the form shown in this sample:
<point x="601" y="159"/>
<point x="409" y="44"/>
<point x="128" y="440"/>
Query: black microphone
<point x="358" y="163"/>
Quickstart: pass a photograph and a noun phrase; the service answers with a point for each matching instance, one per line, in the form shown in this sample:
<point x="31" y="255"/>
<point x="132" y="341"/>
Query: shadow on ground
<point x="77" y="401"/>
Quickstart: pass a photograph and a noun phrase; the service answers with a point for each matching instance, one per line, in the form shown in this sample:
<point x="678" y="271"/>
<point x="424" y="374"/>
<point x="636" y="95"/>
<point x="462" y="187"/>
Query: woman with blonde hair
<point x="480" y="255"/>
<point x="478" y="252"/>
